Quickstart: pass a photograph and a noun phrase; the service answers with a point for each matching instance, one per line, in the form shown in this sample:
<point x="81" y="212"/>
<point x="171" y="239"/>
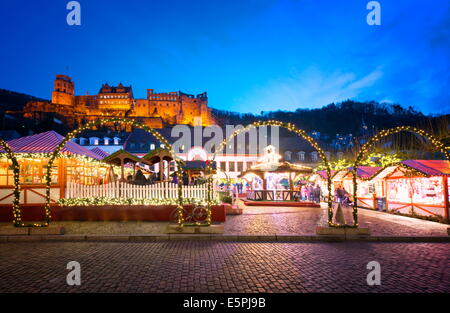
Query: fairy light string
<point x="291" y="127"/>
<point x="436" y="143"/>
<point x="17" y="213"/>
<point x="107" y="122"/>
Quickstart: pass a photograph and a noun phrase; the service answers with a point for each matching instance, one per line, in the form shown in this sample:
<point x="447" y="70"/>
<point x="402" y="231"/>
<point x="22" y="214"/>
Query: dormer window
<point x="93" y="141"/>
<point x="82" y="141"/>
<point x="288" y="155"/>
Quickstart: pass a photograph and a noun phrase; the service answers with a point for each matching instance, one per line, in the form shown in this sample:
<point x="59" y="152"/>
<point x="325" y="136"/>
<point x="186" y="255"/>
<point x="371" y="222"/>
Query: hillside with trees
<point x="347" y="117"/>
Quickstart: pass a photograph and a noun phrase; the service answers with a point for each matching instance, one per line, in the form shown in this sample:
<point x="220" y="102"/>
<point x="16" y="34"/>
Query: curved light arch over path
<point x="437" y="144"/>
<point x="291" y="127"/>
<point x="105" y="122"/>
<point x="17" y="214"/>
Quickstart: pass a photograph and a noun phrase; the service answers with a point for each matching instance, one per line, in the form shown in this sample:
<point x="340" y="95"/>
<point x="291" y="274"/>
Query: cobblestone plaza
<point x="186" y="266"/>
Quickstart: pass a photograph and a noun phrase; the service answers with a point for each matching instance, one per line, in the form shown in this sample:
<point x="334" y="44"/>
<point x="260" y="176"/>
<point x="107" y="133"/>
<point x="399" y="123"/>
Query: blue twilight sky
<point x="249" y="55"/>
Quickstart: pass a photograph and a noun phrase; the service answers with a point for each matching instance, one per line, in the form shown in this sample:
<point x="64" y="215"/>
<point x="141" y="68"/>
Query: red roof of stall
<point x="430" y="167"/>
<point x="366" y="172"/>
<point x="100" y="152"/>
<point x="47" y="143"/>
<point x="323" y="173"/>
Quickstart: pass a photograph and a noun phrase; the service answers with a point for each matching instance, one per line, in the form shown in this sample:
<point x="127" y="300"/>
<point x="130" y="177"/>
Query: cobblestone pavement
<point x="303" y="221"/>
<point x="273" y="220"/>
<point x="198" y="266"/>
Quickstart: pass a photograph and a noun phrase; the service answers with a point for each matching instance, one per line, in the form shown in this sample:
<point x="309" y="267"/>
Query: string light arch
<point x="105" y="122"/>
<point x="437" y="144"/>
<point x="17" y="214"/>
<point x="291" y="127"/>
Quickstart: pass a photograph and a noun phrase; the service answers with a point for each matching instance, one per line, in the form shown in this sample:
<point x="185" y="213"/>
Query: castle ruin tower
<point x="63" y="91"/>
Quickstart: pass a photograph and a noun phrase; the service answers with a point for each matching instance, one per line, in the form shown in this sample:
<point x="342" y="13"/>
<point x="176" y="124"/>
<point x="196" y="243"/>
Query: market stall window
<point x="420" y="190"/>
<point x="32" y="172"/>
<point x="85" y="173"/>
<point x="6" y="174"/>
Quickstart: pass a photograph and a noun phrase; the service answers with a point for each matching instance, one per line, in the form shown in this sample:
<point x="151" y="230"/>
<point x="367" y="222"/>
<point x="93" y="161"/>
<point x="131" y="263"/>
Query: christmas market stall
<point x="75" y="163"/>
<point x="123" y="159"/>
<point x="84" y="185"/>
<point x="367" y="187"/>
<point x="272" y="181"/>
<point x="417" y="187"/>
<point x="161" y="161"/>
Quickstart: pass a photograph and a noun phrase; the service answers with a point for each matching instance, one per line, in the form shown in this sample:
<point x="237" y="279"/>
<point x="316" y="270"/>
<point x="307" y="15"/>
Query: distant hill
<point x="348" y="117"/>
<point x="15" y="101"/>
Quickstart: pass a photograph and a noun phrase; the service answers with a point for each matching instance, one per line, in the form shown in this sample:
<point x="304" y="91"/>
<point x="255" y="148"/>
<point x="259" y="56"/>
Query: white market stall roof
<point x="46" y="143"/>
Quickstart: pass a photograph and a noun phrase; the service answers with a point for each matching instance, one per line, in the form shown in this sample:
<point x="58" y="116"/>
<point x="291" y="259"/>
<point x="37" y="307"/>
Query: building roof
<point x="430" y="167"/>
<point x="366" y="172"/>
<point x="46" y="143"/>
<point x="117" y="157"/>
<point x="155" y="156"/>
<point x="323" y="173"/>
<point x="113" y="89"/>
<point x="139" y="141"/>
<point x="100" y="152"/>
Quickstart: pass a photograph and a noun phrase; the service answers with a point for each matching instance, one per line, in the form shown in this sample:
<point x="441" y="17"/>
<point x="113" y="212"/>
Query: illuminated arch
<point x="104" y="122"/>
<point x="291" y="127"/>
<point x="17" y="214"/>
<point x="438" y="145"/>
<point x="197" y="152"/>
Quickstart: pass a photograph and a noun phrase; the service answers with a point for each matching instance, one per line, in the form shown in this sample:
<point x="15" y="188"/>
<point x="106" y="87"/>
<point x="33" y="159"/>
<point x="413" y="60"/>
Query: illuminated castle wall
<point x="156" y="110"/>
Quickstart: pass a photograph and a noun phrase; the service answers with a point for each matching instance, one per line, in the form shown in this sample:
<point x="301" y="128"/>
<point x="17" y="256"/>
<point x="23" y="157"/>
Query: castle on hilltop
<point x="157" y="110"/>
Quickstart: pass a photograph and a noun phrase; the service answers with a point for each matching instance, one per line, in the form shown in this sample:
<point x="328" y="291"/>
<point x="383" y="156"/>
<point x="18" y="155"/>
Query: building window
<point x="301" y="156"/>
<point x="340" y="155"/>
<point x="249" y="165"/>
<point x="314" y="156"/>
<point x="232" y="166"/>
<point x="240" y="166"/>
<point x="288" y="155"/>
<point x="93" y="141"/>
<point x="152" y="146"/>
<point x="223" y="166"/>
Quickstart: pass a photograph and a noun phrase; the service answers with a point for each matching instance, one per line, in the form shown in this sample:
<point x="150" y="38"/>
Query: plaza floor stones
<point x="207" y="266"/>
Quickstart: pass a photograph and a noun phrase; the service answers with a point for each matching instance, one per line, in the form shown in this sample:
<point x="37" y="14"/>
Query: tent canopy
<point x="121" y="157"/>
<point x="46" y="143"/>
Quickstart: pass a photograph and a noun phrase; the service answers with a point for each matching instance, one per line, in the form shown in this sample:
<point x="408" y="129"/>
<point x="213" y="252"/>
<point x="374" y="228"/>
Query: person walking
<point x="310" y="193"/>
<point x="339" y="194"/>
<point x="318" y="193"/>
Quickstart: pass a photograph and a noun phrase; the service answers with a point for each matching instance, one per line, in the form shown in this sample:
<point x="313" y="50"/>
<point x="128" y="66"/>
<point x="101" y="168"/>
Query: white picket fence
<point x="162" y="190"/>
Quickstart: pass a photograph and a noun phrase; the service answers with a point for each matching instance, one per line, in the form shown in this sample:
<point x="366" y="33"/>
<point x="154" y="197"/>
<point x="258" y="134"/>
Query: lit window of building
<point x="301" y="156"/>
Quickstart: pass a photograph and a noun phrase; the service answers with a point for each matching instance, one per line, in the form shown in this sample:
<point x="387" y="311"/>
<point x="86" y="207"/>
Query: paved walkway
<point x="274" y="220"/>
<point x="186" y="266"/>
<point x="303" y="221"/>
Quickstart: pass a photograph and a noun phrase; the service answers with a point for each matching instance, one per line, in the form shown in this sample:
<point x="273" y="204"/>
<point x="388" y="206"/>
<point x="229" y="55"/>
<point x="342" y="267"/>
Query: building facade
<point x="157" y="110"/>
